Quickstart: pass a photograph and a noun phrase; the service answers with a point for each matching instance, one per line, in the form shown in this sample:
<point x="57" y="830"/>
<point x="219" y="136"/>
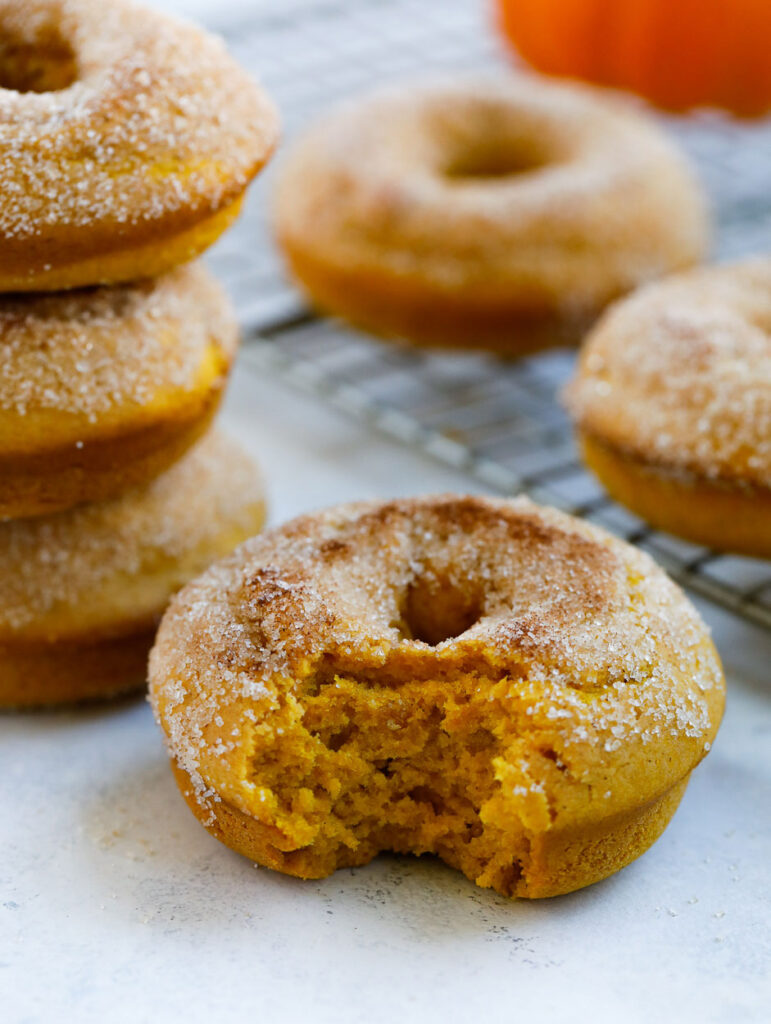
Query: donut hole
<point x="494" y="161"/>
<point x="45" y="63"/>
<point x="434" y="610"/>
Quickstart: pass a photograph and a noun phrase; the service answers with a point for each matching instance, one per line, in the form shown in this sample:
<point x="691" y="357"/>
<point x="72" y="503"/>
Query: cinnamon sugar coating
<point x="486" y="680"/>
<point x="119" y="127"/>
<point x="502" y="213"/>
<point x="678" y="376"/>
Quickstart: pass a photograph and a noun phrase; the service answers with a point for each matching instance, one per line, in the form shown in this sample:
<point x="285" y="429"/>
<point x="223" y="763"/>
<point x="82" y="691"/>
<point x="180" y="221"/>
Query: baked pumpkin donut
<point x="501" y="214"/>
<point x="127" y="139"/>
<point x="672" y="402"/>
<point x="101" y="389"/>
<point x="81" y="592"/>
<point x="485" y="680"/>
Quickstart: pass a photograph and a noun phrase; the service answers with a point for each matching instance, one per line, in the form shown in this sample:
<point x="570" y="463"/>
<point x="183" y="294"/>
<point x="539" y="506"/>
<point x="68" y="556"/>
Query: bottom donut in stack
<point x="485" y="680"/>
<point x="81" y="591"/>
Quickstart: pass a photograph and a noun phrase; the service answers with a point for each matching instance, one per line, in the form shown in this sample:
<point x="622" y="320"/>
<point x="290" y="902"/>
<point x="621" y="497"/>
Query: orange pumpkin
<point x="677" y="53"/>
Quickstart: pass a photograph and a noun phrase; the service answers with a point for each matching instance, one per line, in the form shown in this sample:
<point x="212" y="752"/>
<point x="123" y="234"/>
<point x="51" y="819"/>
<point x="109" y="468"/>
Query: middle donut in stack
<point x="109" y="501"/>
<point x="102" y="389"/>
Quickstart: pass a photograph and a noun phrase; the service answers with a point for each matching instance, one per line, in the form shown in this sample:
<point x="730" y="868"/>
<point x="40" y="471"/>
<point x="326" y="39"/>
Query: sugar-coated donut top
<point x="64" y="559"/>
<point x="592" y="635"/>
<point x="680" y="374"/>
<point x="494" y="183"/>
<point x="96" y="349"/>
<point x="159" y="118"/>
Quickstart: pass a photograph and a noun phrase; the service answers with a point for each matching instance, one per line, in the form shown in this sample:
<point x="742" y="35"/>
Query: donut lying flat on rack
<point x="502" y="214"/>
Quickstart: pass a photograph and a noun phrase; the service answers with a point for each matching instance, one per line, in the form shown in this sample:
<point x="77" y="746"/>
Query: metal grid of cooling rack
<point x="500" y="422"/>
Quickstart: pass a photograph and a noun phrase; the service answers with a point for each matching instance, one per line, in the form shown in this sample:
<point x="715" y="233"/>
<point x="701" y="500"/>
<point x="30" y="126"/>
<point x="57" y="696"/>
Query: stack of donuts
<point x="127" y="141"/>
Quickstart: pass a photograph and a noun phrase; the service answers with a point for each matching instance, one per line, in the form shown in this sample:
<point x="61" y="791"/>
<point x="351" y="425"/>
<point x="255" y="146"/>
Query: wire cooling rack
<point x="500" y="422"/>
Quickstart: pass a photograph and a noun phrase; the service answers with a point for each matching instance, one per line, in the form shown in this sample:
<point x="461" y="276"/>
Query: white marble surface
<point x="117" y="906"/>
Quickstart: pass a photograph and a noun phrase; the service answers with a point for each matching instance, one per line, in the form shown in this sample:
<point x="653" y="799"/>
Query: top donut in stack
<point x="127" y="140"/>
